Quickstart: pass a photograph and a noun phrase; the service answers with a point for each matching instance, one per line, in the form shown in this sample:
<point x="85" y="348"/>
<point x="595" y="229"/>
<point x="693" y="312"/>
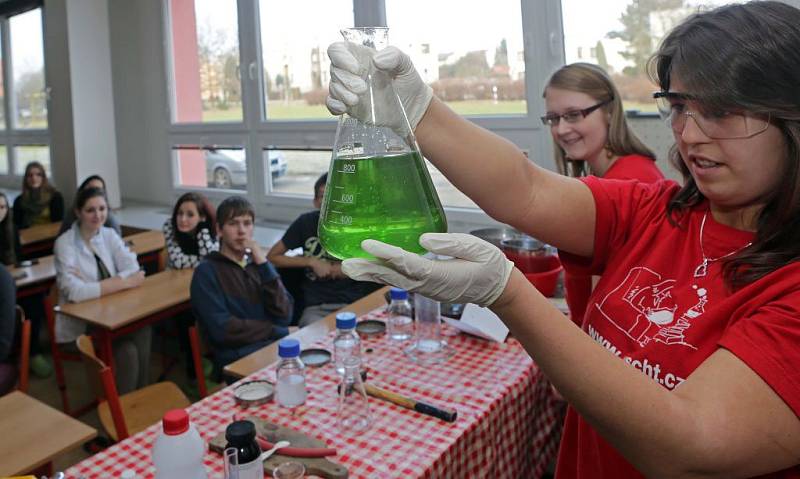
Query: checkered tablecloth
<point x="491" y="385"/>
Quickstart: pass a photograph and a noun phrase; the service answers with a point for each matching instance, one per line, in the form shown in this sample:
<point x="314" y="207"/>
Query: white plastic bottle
<point x="290" y="389"/>
<point x="178" y="451"/>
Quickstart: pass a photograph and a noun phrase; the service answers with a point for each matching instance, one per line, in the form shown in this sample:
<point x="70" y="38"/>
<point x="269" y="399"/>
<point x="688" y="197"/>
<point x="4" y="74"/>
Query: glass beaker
<point x="378" y="185"/>
<point x="428" y="346"/>
<point x="353" y="414"/>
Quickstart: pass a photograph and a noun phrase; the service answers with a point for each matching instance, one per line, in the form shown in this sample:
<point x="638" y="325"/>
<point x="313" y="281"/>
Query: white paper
<point x="481" y="322"/>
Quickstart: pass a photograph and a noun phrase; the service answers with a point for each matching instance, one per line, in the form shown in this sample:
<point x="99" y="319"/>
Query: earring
<point x="609" y="153"/>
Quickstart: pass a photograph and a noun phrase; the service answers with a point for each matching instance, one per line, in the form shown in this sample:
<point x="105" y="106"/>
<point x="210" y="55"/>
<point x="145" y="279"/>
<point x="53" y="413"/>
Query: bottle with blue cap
<point x="346" y="344"/>
<point x="399" y="322"/>
<point x="290" y="387"/>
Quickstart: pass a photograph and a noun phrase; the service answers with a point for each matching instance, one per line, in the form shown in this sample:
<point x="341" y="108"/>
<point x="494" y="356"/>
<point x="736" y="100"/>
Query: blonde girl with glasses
<point x="688" y="360"/>
<point x="591" y="136"/>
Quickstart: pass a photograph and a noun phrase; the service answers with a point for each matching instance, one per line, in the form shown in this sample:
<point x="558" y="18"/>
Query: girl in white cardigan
<point x="92" y="261"/>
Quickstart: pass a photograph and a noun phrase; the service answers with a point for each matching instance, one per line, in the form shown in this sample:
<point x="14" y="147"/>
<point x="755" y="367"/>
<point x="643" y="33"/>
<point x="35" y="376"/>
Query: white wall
<point x="92" y="95"/>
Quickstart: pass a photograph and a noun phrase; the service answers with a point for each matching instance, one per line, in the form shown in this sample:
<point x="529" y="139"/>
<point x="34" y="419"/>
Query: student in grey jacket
<point x="92" y="261"/>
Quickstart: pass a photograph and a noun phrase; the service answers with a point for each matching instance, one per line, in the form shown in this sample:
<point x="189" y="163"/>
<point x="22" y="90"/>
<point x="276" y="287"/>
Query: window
<point x="276" y="130"/>
<point x="217" y="166"/>
<point x="23" y="94"/>
<point x="205" y="61"/>
<point x="295" y="60"/>
<point x="3" y="160"/>
<point x="28" y="153"/>
<point x="27" y="65"/>
<point x="475" y="67"/>
<point x="294" y="172"/>
<point x="621" y="35"/>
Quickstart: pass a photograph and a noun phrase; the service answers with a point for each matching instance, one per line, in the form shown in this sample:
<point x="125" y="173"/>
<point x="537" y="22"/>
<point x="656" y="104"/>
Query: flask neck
<point x="373" y="37"/>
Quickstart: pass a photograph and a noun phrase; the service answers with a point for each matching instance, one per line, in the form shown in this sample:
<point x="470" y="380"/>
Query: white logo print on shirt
<point x="643" y="308"/>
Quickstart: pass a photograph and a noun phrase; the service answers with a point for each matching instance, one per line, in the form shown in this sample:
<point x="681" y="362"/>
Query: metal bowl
<point x="497" y="235"/>
<point x="525" y="244"/>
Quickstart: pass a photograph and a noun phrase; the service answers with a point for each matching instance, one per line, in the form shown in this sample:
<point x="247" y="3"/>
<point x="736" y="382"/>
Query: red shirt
<point x="651" y="311"/>
<point x="631" y="167"/>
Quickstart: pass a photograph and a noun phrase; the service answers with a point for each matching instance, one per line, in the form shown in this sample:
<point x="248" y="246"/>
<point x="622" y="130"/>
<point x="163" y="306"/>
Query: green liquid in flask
<point x="388" y="198"/>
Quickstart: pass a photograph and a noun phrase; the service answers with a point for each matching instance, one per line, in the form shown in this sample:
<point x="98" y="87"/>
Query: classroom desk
<point x="311" y="333"/>
<point x="38" y="238"/>
<point x="160" y="296"/>
<point x="146" y="245"/>
<point x="32" y="434"/>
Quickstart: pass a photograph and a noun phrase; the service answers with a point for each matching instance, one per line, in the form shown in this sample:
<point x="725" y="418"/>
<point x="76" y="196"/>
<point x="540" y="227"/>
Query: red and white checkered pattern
<point x="490" y="385"/>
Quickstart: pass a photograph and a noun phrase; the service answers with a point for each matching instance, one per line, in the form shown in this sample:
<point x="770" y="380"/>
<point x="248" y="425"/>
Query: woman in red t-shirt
<point x="592" y="137"/>
<point x="688" y="363"/>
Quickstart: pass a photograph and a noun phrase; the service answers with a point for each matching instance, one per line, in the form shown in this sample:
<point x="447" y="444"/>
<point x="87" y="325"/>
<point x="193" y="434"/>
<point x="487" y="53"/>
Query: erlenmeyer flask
<point x="378" y="185"/>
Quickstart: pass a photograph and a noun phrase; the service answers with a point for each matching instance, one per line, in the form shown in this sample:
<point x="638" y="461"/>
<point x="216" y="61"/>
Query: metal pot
<point x="528" y="254"/>
<point x="497" y="235"/>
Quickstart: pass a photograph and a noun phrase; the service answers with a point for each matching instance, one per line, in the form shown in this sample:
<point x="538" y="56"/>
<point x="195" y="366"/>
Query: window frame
<point x="12" y="137"/>
<point x="544" y="52"/>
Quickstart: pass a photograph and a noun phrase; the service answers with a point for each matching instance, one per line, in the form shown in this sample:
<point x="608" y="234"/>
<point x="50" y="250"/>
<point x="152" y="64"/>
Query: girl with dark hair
<point x="190" y="232"/>
<point x="688" y="362"/>
<point x="92" y="261"/>
<point x="93" y="181"/>
<point x="39" y="203"/>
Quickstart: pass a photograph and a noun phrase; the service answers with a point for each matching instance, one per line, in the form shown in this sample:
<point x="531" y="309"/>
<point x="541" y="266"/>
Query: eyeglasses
<point x="572" y="116"/>
<point x="717" y="125"/>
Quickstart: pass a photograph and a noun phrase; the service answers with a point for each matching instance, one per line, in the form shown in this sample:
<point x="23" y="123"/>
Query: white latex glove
<point x="478" y="272"/>
<point x="349" y="66"/>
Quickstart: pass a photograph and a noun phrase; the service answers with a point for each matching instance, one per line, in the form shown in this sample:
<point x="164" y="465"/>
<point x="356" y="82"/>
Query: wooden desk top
<point x="146" y="242"/>
<point x="32" y="433"/>
<point x="158" y="292"/>
<point x="37" y="233"/>
<point x="45" y="270"/>
<point x="308" y="335"/>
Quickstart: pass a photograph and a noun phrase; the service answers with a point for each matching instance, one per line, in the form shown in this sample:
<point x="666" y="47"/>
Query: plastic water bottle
<point x="178" y="451"/>
<point x="290" y="389"/>
<point x="346" y="344"/>
<point x="400" y="323"/>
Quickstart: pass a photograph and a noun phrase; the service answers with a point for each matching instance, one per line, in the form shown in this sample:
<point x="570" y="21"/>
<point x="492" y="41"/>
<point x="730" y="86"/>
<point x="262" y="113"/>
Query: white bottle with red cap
<point x="178" y="451"/>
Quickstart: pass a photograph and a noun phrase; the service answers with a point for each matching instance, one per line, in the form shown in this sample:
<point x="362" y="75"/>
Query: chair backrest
<point x="197" y="358"/>
<point x="24" y="349"/>
<point x="102" y="380"/>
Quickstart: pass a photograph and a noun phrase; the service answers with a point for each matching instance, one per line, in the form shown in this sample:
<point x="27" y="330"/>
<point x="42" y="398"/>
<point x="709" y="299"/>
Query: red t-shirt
<point x="631" y="167"/>
<point x="651" y="311"/>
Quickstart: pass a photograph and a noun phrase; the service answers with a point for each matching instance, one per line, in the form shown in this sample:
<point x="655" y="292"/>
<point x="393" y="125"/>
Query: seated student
<point x="39" y="203"/>
<point x="190" y="232"/>
<point x="93" y="261"/>
<point x="8" y="321"/>
<point x="325" y="288"/>
<point x="237" y="296"/>
<point x="94" y="181"/>
<point x="32" y="304"/>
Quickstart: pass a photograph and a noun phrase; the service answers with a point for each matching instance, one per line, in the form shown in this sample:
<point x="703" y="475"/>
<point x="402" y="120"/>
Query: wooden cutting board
<point x="317" y="466"/>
